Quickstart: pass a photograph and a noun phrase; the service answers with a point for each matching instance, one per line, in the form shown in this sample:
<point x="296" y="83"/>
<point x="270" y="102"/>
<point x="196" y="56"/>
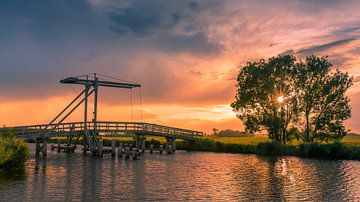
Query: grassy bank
<point x="349" y="148"/>
<point x="344" y="150"/>
<point x="13" y="154"/>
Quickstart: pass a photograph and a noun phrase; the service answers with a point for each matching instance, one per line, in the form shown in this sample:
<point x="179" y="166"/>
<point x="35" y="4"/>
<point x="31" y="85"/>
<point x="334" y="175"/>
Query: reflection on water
<point x="183" y="176"/>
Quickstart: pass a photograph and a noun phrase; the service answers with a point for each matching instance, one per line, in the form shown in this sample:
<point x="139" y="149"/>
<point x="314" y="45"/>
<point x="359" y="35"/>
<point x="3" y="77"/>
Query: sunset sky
<point x="186" y="54"/>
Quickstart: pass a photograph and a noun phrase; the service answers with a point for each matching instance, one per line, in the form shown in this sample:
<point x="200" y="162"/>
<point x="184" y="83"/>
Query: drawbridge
<point x="90" y="132"/>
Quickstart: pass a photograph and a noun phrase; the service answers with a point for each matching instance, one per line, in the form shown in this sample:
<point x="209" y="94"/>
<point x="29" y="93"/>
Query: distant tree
<point x="260" y="85"/>
<point x="215" y="131"/>
<point x="279" y="93"/>
<point x="324" y="103"/>
<point x="232" y="133"/>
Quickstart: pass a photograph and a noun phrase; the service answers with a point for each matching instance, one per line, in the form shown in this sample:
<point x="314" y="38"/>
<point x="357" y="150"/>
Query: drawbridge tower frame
<point x="91" y="85"/>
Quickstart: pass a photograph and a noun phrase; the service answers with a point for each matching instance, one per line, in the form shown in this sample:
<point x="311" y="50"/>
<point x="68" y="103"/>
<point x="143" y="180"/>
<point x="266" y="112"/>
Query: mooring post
<point x="113" y="144"/>
<point x="58" y="145"/>
<point x="101" y="144"/>
<point x="161" y="149"/>
<point x="151" y="148"/>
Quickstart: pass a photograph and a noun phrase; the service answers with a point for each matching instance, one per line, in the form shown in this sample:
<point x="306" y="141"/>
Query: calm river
<point x="182" y="177"/>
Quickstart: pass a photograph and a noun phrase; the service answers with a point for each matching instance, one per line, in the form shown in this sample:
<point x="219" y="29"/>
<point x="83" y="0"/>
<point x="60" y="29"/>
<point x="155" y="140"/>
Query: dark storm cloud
<point x="144" y="18"/>
<point x="140" y="21"/>
<point x="194" y="43"/>
<point x="324" y="47"/>
<point x="155" y="23"/>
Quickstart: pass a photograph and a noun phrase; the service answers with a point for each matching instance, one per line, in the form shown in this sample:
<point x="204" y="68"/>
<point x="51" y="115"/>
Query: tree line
<point x="291" y="98"/>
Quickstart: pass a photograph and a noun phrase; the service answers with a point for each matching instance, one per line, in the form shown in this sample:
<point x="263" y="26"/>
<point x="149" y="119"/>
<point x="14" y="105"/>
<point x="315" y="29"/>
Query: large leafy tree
<point x="260" y="85"/>
<point x="279" y="93"/>
<point x="324" y="103"/>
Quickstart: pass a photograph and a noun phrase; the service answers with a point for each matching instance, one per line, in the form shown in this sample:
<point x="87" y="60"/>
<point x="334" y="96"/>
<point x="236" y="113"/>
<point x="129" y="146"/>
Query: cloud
<point x="324" y="47"/>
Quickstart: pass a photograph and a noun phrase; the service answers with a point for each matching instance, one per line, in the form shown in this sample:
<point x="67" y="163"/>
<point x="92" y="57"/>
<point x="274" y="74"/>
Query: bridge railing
<point x="103" y="127"/>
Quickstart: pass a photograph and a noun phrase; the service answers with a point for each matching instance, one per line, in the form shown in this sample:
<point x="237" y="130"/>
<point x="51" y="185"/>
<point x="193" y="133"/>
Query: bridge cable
<point x="141" y="111"/>
<point x="131" y="100"/>
<point x="110" y="77"/>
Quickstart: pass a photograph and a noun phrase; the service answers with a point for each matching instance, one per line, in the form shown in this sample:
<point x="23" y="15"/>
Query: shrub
<point x="271" y="148"/>
<point x="13" y="154"/>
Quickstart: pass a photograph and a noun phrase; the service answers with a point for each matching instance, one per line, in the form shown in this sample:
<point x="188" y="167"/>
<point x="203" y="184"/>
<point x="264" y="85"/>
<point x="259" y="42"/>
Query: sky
<point x="185" y="54"/>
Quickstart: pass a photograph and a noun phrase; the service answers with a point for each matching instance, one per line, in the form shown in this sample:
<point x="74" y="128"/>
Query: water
<point x="183" y="176"/>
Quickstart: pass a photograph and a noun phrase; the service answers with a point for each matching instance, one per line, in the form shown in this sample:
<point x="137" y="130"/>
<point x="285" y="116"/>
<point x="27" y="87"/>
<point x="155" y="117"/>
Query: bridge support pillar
<point x="120" y="150"/>
<point x="170" y="145"/>
<point x="113" y="144"/>
<point x="151" y="148"/>
<point x="58" y="145"/>
<point x="174" y="144"/>
<point x="101" y="145"/>
<point x="37" y="148"/>
<point x="140" y="142"/>
<point x="143" y="145"/>
<point x="134" y="153"/>
<point x="161" y="149"/>
<point x="84" y="145"/>
<point x="44" y="148"/>
<point x="127" y="152"/>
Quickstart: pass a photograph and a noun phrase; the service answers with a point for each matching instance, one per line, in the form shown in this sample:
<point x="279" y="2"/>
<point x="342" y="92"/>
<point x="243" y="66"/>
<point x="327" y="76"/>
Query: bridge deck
<point x="103" y="127"/>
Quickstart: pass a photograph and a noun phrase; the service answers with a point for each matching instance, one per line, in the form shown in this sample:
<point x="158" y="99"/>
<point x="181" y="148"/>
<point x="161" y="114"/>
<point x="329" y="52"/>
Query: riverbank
<point x="306" y="150"/>
<point x="349" y="148"/>
<point x="13" y="154"/>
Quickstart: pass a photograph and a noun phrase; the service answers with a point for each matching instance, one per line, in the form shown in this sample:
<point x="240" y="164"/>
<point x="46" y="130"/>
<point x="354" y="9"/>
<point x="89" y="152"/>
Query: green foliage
<point x="231" y="133"/>
<point x="241" y="140"/>
<point x="259" y="86"/>
<point x="330" y="151"/>
<point x="314" y="99"/>
<point x="211" y="145"/>
<point x="324" y="102"/>
<point x="13" y="154"/>
<point x="308" y="150"/>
